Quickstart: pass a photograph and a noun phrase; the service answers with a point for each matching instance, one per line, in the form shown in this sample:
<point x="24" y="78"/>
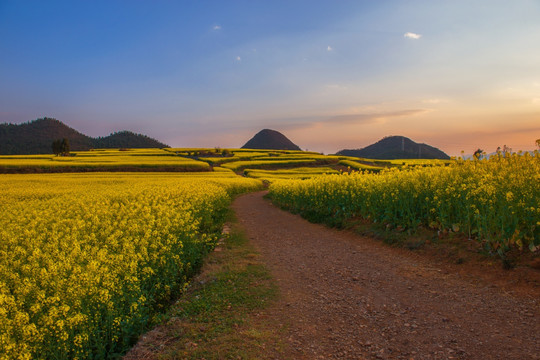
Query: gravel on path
<point x="349" y="297"/>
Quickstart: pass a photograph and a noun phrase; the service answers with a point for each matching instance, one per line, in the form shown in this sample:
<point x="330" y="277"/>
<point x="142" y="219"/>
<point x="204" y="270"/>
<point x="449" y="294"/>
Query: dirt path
<point x="344" y="296"/>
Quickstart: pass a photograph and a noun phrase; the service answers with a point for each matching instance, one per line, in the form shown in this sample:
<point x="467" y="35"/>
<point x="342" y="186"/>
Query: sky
<point x="456" y="74"/>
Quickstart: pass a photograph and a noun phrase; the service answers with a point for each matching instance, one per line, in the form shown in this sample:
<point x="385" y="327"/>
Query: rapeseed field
<point x="87" y="260"/>
<point x="495" y="201"/>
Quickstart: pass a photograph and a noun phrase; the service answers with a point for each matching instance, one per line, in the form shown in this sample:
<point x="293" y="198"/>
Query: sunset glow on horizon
<point x="457" y="75"/>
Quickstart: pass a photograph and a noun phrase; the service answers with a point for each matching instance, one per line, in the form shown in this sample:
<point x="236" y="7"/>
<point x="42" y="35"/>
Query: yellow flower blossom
<point x="85" y="259"/>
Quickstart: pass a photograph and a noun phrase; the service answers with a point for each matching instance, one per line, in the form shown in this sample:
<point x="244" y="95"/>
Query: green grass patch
<point x="215" y="318"/>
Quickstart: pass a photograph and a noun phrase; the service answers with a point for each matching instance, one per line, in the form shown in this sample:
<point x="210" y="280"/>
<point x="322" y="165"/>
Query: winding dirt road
<point x="346" y="296"/>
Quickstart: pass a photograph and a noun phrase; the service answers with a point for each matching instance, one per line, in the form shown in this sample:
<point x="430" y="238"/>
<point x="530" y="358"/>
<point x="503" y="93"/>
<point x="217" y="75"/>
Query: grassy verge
<point x="217" y="318"/>
<point x="453" y="246"/>
<point x="442" y="246"/>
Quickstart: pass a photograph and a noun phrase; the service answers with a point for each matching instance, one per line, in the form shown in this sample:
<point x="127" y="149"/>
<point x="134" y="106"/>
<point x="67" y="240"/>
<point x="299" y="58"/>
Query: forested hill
<point x="36" y="137"/>
<point x="270" y="139"/>
<point x="397" y="147"/>
<point x="127" y="139"/>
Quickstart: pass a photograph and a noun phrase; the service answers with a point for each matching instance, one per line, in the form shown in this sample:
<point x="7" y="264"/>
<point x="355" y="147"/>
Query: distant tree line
<point x="35" y="137"/>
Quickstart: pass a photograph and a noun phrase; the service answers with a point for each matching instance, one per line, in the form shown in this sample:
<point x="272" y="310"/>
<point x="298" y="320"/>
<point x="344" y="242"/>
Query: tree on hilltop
<point x="60" y="147"/>
<point x="65" y="146"/>
<point x="56" y="145"/>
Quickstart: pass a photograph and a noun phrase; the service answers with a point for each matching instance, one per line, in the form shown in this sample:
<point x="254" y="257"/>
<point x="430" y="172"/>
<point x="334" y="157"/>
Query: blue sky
<point x="329" y="74"/>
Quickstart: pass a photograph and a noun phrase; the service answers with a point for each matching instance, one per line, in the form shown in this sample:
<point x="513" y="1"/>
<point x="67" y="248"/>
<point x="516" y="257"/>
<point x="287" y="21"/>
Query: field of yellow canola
<point x="102" y="160"/>
<point x="86" y="260"/>
<point x="496" y="200"/>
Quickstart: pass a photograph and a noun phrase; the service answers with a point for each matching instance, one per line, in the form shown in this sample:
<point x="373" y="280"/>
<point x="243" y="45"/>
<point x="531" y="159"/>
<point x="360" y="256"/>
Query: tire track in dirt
<point x="345" y="296"/>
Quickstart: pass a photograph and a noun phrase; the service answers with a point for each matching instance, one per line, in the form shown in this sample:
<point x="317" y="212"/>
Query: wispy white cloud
<point x="329" y="48"/>
<point x="411" y="35"/>
<point x="238" y="58"/>
<point x="216" y="27"/>
<point x="362" y="118"/>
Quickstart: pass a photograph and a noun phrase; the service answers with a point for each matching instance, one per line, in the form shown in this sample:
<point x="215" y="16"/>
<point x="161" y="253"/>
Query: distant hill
<point x="36" y="137"/>
<point x="127" y="139"/>
<point x="397" y="147"/>
<point x="270" y="139"/>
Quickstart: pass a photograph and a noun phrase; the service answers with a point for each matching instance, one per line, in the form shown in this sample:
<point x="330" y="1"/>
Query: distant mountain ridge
<point x="396" y="147"/>
<point x="36" y="137"/>
<point x="270" y="139"/>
